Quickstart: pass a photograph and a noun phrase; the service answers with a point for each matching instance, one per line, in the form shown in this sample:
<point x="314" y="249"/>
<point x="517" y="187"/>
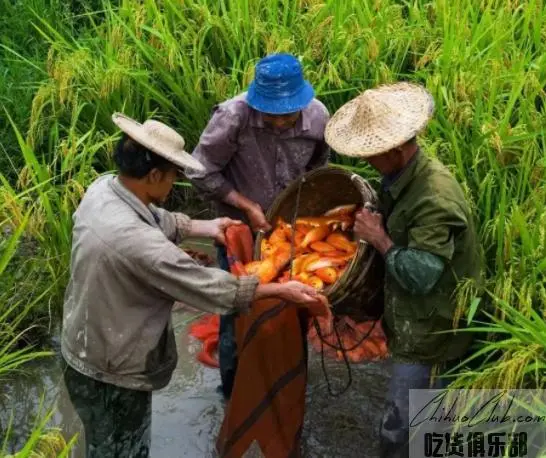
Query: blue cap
<point x="278" y="86"/>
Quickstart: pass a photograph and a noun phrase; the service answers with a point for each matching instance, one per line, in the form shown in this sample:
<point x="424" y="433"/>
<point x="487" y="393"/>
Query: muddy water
<point x="188" y="412"/>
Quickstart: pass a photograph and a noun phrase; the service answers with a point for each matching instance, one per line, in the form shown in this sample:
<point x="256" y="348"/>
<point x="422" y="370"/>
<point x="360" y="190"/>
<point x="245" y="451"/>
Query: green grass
<point x="12" y="358"/>
<point x="47" y="193"/>
<point x="43" y="442"/>
<point x="483" y="61"/>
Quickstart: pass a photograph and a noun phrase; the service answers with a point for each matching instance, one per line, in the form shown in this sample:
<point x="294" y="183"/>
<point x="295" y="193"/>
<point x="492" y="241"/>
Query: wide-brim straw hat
<point x="159" y="138"/>
<point x="379" y="120"/>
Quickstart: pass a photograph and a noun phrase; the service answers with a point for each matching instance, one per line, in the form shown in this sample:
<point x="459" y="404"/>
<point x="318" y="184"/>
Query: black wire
<point x="293" y="228"/>
<point x="323" y="364"/>
<point x="315" y="322"/>
<point x="340" y="348"/>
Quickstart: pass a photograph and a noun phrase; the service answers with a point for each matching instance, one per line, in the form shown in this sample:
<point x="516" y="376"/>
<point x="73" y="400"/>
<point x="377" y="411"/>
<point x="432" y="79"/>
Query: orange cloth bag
<point x="268" y="399"/>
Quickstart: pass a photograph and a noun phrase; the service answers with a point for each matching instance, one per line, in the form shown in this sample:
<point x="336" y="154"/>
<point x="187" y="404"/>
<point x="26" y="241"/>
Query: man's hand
<point x="219" y="232"/>
<point x="257" y="219"/>
<point x="303" y="296"/>
<point x="298" y="293"/>
<point x="214" y="228"/>
<point x="292" y="291"/>
<point x="369" y="227"/>
<point x="253" y="211"/>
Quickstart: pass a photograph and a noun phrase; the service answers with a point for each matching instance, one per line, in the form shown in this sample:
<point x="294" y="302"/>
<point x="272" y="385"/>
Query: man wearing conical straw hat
<point x="425" y="233"/>
<point x="126" y="273"/>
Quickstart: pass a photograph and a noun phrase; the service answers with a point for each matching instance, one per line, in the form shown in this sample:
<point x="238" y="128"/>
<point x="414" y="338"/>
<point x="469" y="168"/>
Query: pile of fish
<point x="322" y="245"/>
<point x="364" y="341"/>
<point x="322" y="248"/>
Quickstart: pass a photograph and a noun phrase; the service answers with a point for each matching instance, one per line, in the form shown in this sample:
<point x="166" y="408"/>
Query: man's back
<point x="112" y="317"/>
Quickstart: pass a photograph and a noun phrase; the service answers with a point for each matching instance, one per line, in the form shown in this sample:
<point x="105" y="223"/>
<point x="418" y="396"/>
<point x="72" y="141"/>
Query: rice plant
<point x="43" y="442"/>
<point x="483" y="61"/>
<point x="12" y="358"/>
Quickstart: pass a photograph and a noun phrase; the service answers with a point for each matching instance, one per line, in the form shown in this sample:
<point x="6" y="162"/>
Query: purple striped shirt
<point x="241" y="152"/>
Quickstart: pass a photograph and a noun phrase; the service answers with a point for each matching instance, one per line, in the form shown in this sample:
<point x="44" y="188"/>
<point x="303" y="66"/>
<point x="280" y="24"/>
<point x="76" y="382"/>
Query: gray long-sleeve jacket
<point x="126" y="273"/>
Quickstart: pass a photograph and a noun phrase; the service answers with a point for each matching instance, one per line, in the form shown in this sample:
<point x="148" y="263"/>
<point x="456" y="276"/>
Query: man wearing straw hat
<point x="425" y="233"/>
<point x="126" y="273"/>
<point x="254" y="145"/>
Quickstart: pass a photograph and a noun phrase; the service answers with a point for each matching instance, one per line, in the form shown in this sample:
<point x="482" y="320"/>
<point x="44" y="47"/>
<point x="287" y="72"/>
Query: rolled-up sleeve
<point x="416" y="271"/>
<point x="176" y="275"/>
<point x="215" y="149"/>
<point x="245" y="292"/>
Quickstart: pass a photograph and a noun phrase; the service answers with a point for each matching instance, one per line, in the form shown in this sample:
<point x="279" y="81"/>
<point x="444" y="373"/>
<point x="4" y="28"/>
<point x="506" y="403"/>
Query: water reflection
<point x="187" y="413"/>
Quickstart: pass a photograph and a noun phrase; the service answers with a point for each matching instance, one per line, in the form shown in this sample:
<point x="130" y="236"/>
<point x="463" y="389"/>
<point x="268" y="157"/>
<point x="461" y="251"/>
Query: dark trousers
<point x="227" y="347"/>
<point x="394" y="428"/>
<point x="117" y="421"/>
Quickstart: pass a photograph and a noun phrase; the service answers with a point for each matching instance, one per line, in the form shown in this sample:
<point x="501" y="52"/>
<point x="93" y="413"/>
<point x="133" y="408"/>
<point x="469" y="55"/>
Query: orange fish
<point x="280" y="246"/>
<point x="324" y="262"/>
<point x="346" y="223"/>
<point x="354" y="356"/>
<point x="337" y="254"/>
<point x="327" y="274"/>
<point x="341" y="271"/>
<point x="341" y="210"/>
<point x="309" y="259"/>
<point x="280" y="258"/>
<point x="302" y="277"/>
<point x="298" y="239"/>
<point x="266" y="249"/>
<point x="323" y="220"/>
<point x="299" y="261"/>
<point x="303" y="228"/>
<point x="315" y="235"/>
<point x="316" y="282"/>
<point x="206" y="354"/>
<point x="344" y="257"/>
<point x="267" y="271"/>
<point x="372" y="348"/>
<point x="341" y="242"/>
<point x="278" y="235"/>
<point x="285" y="227"/>
<point x="382" y="344"/>
<point x="322" y="247"/>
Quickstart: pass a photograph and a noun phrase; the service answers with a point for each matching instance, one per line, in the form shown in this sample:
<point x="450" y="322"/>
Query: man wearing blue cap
<point x="254" y="145"/>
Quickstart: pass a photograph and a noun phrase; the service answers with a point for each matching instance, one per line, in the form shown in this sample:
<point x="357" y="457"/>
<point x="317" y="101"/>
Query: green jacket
<point x="425" y="209"/>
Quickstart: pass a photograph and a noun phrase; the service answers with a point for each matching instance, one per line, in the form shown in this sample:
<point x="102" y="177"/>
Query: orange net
<point x="206" y="331"/>
<point x="363" y="341"/>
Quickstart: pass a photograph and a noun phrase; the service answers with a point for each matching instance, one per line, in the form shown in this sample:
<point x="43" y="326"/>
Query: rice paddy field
<point x="65" y="67"/>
